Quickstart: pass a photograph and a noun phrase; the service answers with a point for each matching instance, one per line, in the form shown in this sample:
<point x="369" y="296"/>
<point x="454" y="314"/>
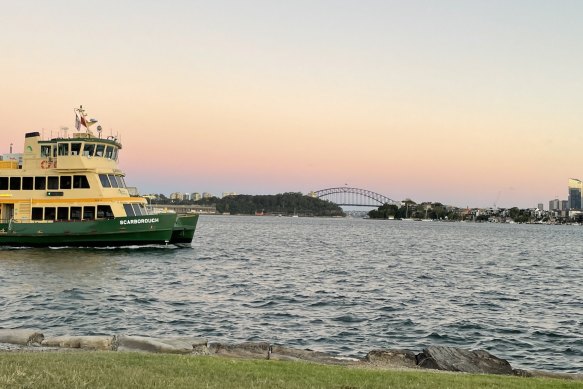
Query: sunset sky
<point x="463" y="102"/>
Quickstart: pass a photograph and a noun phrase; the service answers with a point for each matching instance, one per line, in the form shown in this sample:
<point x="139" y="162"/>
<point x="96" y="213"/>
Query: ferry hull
<point x="144" y="230"/>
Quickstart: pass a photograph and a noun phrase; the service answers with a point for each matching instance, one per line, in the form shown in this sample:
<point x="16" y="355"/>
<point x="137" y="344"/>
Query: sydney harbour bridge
<point x="353" y="197"/>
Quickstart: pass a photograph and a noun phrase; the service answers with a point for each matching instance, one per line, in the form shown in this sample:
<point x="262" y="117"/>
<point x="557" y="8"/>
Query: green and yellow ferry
<point x="69" y="191"/>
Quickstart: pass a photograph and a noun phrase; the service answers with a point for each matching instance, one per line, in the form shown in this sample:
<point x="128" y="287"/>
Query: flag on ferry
<point x="83" y="121"/>
<point x="77" y="122"/>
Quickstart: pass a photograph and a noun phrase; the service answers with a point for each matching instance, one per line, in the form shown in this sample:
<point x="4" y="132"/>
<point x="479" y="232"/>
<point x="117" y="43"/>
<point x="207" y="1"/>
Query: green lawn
<point x="137" y="370"/>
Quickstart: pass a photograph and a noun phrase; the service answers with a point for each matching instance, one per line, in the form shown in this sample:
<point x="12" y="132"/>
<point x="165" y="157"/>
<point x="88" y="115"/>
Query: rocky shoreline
<point x="433" y="357"/>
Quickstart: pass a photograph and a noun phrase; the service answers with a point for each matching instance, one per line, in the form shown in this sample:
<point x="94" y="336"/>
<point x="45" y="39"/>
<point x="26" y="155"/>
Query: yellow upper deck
<point x="82" y="152"/>
<point x="83" y="166"/>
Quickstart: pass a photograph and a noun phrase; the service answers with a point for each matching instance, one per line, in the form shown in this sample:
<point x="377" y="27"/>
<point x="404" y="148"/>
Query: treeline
<point x="519" y="215"/>
<point x="438" y="211"/>
<point x="286" y="204"/>
<point x="410" y="209"/>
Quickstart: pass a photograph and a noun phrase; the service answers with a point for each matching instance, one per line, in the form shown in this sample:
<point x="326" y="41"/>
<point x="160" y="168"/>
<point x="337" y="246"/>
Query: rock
<point x="548" y="374"/>
<point x="198" y="346"/>
<point x="286" y="353"/>
<point x="263" y="350"/>
<point x="21" y="337"/>
<point x="256" y="350"/>
<point x="103" y="343"/>
<point x="62" y="341"/>
<point x="392" y="358"/>
<point x="457" y="359"/>
<point x="9" y="347"/>
<point x="426" y="361"/>
<point x="521" y="373"/>
<point x="162" y="345"/>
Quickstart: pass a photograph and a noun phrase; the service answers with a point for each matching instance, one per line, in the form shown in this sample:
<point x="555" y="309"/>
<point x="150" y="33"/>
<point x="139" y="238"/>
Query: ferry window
<point x="104" y="211"/>
<point x="27" y="183"/>
<point x="88" y="213"/>
<point x="108" y="152"/>
<point x="53" y="182"/>
<point x="3" y="183"/>
<point x="99" y="150"/>
<point x="37" y="213"/>
<point x="120" y="182"/>
<point x="104" y="181"/>
<point x="137" y="209"/>
<point x="129" y="210"/>
<point x="63" y="149"/>
<point x="50" y="213"/>
<point x="14" y="183"/>
<point x="114" y="153"/>
<point x="62" y="213"/>
<point x="75" y="213"/>
<point x="144" y="210"/>
<point x="40" y="183"/>
<point x="75" y="148"/>
<point x="113" y="181"/>
<point x="54" y="151"/>
<point x="80" y="182"/>
<point x="88" y="149"/>
<point x="45" y="151"/>
<point x="65" y="182"/>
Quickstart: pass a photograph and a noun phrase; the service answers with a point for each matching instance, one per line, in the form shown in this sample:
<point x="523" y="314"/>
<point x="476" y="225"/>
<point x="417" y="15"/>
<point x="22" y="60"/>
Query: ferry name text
<point x="139" y="221"/>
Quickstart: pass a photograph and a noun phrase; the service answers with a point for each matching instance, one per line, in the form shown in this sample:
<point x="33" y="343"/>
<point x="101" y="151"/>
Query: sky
<point x="469" y="103"/>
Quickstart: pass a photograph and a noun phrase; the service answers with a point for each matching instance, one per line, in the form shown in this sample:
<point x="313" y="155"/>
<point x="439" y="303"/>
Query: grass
<point x="137" y="370"/>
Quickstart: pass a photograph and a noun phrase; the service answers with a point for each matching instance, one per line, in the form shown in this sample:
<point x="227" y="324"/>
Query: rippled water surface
<point x="343" y="286"/>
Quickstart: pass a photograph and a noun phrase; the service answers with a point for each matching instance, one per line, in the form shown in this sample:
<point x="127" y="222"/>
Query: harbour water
<point x="343" y="286"/>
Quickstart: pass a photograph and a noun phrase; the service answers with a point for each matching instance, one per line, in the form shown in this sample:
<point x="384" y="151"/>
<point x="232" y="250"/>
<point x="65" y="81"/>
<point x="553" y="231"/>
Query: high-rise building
<point x="554" y="205"/>
<point x="575" y="189"/>
<point x="541" y="207"/>
<point x="176" y="196"/>
<point x="195" y="196"/>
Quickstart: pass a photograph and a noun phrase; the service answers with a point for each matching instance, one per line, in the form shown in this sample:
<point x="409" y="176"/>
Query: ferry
<point x="69" y="191"/>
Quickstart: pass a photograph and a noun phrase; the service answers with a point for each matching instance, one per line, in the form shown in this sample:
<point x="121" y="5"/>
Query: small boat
<point x="69" y="191"/>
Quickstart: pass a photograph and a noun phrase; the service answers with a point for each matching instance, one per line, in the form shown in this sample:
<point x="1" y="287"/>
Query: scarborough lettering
<point x="139" y="221"/>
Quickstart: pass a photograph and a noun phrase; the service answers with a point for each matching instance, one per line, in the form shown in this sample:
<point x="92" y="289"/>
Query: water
<point x="344" y="286"/>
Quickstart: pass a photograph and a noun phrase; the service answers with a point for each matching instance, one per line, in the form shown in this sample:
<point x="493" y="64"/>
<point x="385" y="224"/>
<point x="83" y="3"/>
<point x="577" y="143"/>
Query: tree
<point x="283" y="203"/>
<point x="385" y="211"/>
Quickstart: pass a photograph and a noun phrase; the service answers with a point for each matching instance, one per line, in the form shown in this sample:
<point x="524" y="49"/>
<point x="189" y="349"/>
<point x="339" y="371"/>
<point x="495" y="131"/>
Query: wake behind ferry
<point x="69" y="191"/>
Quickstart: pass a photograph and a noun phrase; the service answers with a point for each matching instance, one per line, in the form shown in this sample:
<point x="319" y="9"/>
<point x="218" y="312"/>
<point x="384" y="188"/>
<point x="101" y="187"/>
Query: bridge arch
<point x="347" y="196"/>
